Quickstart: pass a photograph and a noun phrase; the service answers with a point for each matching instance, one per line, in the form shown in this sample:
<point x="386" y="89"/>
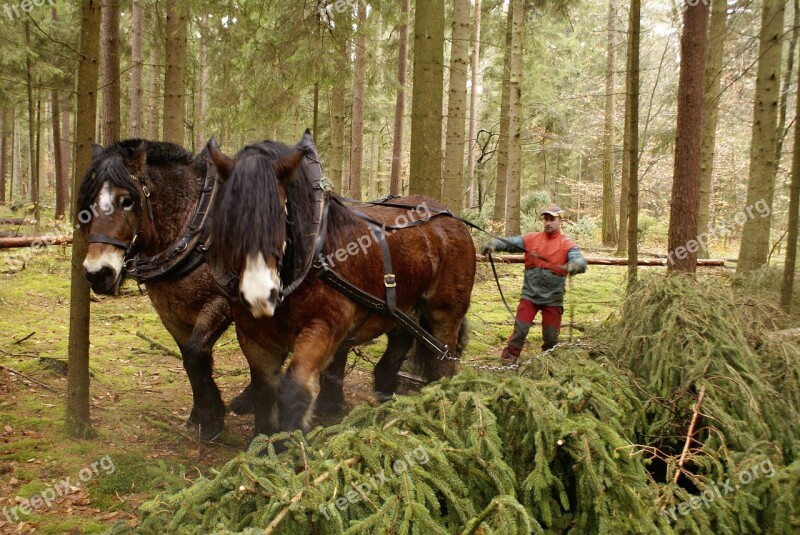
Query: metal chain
<point x="514" y="367"/>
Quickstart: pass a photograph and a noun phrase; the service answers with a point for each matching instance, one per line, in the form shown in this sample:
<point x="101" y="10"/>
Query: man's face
<point x="551" y="223"/>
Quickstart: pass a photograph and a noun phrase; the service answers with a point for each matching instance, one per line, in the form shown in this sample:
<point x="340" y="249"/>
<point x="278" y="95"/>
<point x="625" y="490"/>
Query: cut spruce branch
<point x="606" y="261"/>
<point x="690" y="433"/>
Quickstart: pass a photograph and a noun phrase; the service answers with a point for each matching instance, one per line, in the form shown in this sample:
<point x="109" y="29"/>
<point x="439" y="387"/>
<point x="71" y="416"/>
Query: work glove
<point x="572" y="268"/>
<point x="490" y="246"/>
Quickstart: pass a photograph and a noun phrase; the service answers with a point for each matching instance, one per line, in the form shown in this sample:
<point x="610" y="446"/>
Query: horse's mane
<point x="110" y="166"/>
<point x="248" y="215"/>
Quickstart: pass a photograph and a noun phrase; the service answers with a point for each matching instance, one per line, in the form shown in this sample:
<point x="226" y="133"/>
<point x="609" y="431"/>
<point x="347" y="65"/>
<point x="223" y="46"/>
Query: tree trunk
<point x="200" y="116"/>
<point x="787" y="284"/>
<point x="400" y="103"/>
<point x="688" y="140"/>
<point x="787" y="83"/>
<point x="32" y="130"/>
<point x="632" y="127"/>
<point x="514" y="184"/>
<point x="456" y="109"/>
<point x="713" y="75"/>
<point x="154" y="69"/>
<point x="503" y="139"/>
<point x="177" y="22"/>
<point x="471" y="199"/>
<point x="426" y="99"/>
<point x="14" y="160"/>
<point x="3" y="154"/>
<point x="137" y="59"/>
<point x="62" y="182"/>
<point x="111" y="86"/>
<point x="609" y="232"/>
<point x="357" y="147"/>
<point x="754" y="246"/>
<point x="66" y="150"/>
<point x="77" y="417"/>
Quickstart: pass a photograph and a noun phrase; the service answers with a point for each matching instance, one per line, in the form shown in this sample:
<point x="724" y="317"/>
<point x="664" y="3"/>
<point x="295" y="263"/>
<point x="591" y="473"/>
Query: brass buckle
<point x="389" y="280"/>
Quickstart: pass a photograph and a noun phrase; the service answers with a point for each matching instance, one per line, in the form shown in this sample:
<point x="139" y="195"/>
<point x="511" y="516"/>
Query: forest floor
<point x="140" y="397"/>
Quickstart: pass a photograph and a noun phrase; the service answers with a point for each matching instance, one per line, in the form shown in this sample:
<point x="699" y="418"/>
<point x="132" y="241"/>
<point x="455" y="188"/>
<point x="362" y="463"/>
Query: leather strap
<point x="366" y="299"/>
<point x="102" y="238"/>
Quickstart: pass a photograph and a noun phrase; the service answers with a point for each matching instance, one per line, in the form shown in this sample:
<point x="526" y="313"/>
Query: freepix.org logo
<point x="13" y="11"/>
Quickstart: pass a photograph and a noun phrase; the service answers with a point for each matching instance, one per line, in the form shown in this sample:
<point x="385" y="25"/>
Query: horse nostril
<point x="273" y="296"/>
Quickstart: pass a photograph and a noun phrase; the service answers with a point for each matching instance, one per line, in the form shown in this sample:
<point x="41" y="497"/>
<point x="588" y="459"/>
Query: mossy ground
<point x="140" y="397"/>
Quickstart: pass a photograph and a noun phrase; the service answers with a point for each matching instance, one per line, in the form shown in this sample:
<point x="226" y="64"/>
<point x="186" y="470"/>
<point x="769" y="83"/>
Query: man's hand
<point x="572" y="268"/>
<point x="489" y="247"/>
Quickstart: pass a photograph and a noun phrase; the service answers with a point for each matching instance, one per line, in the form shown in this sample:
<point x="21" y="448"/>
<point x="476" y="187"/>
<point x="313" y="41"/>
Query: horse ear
<point x="138" y="159"/>
<point x="97" y="150"/>
<point x="307" y="140"/>
<point x="222" y="161"/>
<point x="285" y="168"/>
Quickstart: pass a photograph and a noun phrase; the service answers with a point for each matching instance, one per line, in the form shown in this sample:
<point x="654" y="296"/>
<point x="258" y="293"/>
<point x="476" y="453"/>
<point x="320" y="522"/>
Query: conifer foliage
<point x="576" y="442"/>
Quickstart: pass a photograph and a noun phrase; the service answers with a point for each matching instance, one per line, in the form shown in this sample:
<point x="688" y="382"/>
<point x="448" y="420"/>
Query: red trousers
<point x="526" y="311"/>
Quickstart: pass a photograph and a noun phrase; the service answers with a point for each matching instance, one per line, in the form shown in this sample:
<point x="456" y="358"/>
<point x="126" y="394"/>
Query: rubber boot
<point x="549" y="336"/>
<point x="515" y="342"/>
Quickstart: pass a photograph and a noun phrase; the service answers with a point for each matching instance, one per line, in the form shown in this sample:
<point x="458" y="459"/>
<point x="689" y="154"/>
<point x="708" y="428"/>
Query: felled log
<point x="601" y="261"/>
<point x="33" y="241"/>
<point x="16" y="221"/>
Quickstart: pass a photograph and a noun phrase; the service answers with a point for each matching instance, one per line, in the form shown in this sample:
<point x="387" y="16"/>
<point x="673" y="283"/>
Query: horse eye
<point x="126" y="202"/>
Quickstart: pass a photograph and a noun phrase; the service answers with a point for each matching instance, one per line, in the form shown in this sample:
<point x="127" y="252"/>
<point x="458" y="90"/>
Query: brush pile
<point x="577" y="442"/>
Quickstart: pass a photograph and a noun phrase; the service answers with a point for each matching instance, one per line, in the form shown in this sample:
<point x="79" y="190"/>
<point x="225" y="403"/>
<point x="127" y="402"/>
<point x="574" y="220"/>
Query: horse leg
<point x="209" y="411"/>
<point x="245" y="402"/>
<point x="265" y="369"/>
<point x="400" y="341"/>
<point x="299" y="386"/>
<point x="331" y="384"/>
<point x="449" y="329"/>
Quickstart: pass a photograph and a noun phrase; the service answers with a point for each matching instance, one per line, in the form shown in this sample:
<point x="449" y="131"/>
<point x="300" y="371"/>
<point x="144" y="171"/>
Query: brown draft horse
<point x="123" y="221"/>
<point x="263" y="219"/>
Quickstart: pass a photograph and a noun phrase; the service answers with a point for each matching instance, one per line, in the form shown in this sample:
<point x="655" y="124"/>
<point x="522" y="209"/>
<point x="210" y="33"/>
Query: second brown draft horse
<point x="265" y="218"/>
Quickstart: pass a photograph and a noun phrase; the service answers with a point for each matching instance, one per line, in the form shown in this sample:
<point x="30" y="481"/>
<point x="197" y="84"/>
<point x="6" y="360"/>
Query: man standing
<point x="549" y="257"/>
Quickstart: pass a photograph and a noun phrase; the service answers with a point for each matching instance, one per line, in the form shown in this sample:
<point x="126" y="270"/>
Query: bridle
<point x="127" y="246"/>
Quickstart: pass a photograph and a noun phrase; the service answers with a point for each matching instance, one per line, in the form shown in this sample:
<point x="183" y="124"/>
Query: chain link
<point x="514" y="367"/>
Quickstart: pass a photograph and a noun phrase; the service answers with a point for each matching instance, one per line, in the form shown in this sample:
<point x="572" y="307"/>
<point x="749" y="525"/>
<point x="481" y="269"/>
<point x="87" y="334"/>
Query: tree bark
<point x="137" y="68"/>
<point x="609" y="231"/>
<point x="357" y="147"/>
<point x="400" y="103"/>
<point x="503" y="139"/>
<point x="62" y="182"/>
<point x="66" y="150"/>
<point x="787" y="283"/>
<point x="77" y="417"/>
<point x="688" y="140"/>
<point x="453" y="178"/>
<point x="471" y="199"/>
<point x="32" y="130"/>
<point x="174" y="90"/>
<point x="754" y="246"/>
<point x="513" y="187"/>
<point x="426" y="99"/>
<point x="154" y="70"/>
<point x="3" y="154"/>
<point x="713" y="75"/>
<point x="200" y="116"/>
<point x="787" y="82"/>
<point x="111" y="75"/>
<point x="632" y="114"/>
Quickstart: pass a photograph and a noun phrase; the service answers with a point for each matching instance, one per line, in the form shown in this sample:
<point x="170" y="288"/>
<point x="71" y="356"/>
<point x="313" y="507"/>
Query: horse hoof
<point x="383" y="397"/>
<point x="244" y="403"/>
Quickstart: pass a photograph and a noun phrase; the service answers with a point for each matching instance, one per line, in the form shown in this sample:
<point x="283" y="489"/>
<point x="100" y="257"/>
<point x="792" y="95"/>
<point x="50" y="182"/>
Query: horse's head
<point x="250" y="224"/>
<point x="110" y="209"/>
